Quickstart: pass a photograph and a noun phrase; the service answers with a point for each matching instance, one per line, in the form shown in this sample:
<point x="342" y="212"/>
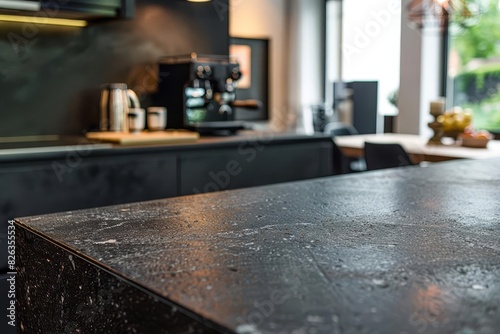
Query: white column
<point x="305" y="67"/>
<point x="420" y="76"/>
<point x="333" y="47"/>
<point x="266" y="19"/>
<point x="430" y="84"/>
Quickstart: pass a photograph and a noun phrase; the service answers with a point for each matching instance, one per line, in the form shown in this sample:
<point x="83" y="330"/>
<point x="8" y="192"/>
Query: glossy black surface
<point x="13" y="149"/>
<point x="70" y="295"/>
<point x="85" y="176"/>
<point x="20" y="151"/>
<point x="50" y="76"/>
<point x="410" y="250"/>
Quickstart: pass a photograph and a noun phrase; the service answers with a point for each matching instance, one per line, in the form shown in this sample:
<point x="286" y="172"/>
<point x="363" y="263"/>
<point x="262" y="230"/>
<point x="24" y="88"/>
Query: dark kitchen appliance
<point x="199" y="93"/>
<point x="364" y="98"/>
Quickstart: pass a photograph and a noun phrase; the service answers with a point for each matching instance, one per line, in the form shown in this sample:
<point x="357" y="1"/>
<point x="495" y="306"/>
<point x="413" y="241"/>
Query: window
<point x="474" y="65"/>
<point x="363" y="44"/>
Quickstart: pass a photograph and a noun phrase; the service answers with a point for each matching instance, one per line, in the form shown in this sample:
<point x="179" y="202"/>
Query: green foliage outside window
<point x="478" y="87"/>
<point x="479" y="76"/>
<point x="481" y="40"/>
<point x="486" y="114"/>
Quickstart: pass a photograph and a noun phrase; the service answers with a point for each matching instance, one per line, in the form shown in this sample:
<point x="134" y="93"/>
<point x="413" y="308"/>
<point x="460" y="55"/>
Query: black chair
<point x="340" y="129"/>
<point x="381" y="156"/>
<point x="343" y="164"/>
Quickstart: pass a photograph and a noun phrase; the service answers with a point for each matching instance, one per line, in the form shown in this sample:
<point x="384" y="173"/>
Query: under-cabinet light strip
<point x="43" y="20"/>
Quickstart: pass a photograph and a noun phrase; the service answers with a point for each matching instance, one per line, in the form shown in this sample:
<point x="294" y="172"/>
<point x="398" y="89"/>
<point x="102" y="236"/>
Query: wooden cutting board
<point x="141" y="138"/>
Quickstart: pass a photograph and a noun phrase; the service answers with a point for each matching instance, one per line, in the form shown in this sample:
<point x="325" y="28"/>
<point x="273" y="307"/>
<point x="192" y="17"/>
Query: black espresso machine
<point x="199" y="93"/>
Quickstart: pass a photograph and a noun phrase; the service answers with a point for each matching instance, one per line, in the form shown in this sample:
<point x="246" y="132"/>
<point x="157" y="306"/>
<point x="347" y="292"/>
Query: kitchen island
<point x="79" y="174"/>
<point x="408" y="250"/>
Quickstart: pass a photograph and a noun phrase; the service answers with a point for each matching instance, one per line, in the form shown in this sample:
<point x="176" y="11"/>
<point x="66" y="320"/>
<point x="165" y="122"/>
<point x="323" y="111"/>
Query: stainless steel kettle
<point x="115" y="102"/>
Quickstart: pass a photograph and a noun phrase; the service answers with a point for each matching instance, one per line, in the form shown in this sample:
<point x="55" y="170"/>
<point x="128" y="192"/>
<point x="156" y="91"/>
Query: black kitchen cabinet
<point x="99" y="8"/>
<point x="75" y="9"/>
<point x="252" y="164"/>
<point x="50" y="186"/>
<point x="63" y="181"/>
<point x="46" y="186"/>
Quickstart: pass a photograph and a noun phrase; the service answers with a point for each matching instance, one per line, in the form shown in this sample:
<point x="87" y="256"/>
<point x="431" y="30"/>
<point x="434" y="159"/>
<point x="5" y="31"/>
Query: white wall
<point x="371" y="46"/>
<point x="305" y="65"/>
<point x="294" y="28"/>
<point x="291" y="24"/>
<point x="333" y="52"/>
<point x="266" y="19"/>
<point x="419" y="77"/>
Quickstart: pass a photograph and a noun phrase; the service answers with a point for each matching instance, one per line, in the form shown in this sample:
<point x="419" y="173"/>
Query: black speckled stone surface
<point x="411" y="250"/>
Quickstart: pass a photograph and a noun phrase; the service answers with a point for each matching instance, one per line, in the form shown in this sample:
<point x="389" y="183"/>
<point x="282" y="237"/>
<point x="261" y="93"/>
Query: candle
<point x="437" y="107"/>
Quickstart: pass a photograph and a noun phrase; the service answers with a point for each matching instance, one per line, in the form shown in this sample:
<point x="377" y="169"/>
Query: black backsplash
<point x="50" y="77"/>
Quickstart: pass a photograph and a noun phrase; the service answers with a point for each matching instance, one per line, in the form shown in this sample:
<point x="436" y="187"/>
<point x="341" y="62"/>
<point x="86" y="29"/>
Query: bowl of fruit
<point x="476" y="139"/>
<point x="455" y="121"/>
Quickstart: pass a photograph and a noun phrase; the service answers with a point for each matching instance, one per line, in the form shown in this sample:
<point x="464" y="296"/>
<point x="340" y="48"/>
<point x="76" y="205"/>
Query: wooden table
<point x="417" y="148"/>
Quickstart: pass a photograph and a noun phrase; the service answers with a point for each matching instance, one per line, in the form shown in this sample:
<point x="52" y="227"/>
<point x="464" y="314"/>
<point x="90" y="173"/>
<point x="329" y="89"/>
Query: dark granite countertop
<point x="57" y="147"/>
<point x="410" y="250"/>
